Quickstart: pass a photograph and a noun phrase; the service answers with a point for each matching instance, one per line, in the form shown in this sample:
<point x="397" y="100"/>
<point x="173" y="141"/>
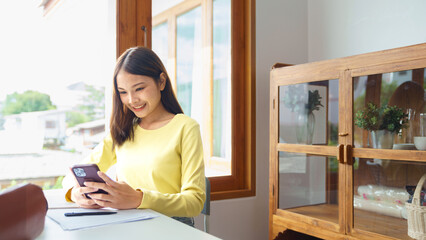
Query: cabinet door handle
<point x="340" y="153"/>
<point x="343" y="134"/>
<point x="348" y="154"/>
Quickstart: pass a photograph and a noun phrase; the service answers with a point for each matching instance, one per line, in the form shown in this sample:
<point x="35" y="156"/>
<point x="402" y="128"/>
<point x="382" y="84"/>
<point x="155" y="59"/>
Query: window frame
<point x="132" y="15"/>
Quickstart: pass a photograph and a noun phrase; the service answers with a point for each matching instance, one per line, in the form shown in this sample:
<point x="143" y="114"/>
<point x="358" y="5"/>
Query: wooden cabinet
<point x="326" y="178"/>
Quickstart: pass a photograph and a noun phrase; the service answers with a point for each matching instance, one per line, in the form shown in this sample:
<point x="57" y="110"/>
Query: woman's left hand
<point x="120" y="194"/>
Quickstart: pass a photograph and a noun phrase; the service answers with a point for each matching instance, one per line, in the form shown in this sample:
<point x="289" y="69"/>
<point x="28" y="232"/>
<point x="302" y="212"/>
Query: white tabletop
<point x="158" y="228"/>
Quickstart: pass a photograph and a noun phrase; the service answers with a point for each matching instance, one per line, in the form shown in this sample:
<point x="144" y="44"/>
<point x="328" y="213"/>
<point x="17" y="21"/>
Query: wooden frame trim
<point x="309" y="149"/>
<point x="131" y="16"/>
<point x="304" y="227"/>
<point x="273" y="154"/>
<point x="242" y="182"/>
<point x="300" y="218"/>
<point x="330" y="67"/>
<point x="345" y="113"/>
<point x="396" y="155"/>
<point x="243" y="122"/>
<point x="176" y="10"/>
<point x="207" y="48"/>
<point x="390" y="67"/>
<point x="370" y="235"/>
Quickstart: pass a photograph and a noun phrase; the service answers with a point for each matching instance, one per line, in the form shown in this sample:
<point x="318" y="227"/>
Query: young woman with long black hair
<point x="157" y="149"/>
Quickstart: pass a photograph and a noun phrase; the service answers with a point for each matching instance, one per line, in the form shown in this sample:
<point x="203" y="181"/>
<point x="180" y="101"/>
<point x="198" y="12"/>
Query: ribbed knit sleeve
<point x="190" y="200"/>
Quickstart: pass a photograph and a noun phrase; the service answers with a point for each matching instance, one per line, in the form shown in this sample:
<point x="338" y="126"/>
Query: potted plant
<point x="383" y="123"/>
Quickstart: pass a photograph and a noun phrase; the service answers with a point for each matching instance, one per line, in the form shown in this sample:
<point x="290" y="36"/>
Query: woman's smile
<point x="139" y="108"/>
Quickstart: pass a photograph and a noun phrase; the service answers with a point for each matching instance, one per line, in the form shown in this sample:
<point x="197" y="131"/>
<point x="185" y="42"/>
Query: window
<point x="213" y="82"/>
<point x="55" y="64"/>
<point x="202" y="95"/>
<point x="57" y="59"/>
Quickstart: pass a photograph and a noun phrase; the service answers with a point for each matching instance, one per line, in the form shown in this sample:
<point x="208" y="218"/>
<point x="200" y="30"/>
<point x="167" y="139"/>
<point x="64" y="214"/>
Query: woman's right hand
<point x="77" y="196"/>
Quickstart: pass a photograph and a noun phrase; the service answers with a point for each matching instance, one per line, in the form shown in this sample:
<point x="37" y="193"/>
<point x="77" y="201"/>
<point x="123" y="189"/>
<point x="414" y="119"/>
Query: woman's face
<point x="141" y="94"/>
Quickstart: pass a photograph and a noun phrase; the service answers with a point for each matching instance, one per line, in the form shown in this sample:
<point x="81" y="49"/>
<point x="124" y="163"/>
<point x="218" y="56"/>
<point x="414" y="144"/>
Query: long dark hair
<point x="138" y="61"/>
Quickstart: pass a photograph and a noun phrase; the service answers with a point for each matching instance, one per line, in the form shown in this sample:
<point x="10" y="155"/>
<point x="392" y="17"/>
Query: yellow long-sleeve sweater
<point x="166" y="164"/>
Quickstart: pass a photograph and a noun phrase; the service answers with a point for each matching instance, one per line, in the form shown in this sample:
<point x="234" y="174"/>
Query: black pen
<point x="76" y="214"/>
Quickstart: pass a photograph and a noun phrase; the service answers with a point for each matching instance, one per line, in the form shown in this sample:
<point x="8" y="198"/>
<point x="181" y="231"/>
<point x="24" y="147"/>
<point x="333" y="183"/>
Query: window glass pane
<point x="381" y="190"/>
<point x="309" y="113"/>
<point x="308" y="184"/>
<point x="222" y="79"/>
<point x="55" y="70"/>
<point x="188" y="64"/>
<point x="374" y="93"/>
<point x="161" y="6"/>
<point x="160" y="42"/>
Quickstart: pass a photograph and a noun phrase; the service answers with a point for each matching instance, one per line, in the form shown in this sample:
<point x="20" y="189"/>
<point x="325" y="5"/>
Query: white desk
<point x="159" y="228"/>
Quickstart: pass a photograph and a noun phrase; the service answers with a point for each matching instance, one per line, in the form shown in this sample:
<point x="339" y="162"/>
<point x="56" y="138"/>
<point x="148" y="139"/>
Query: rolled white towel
<point x="381" y="207"/>
<point x="383" y="193"/>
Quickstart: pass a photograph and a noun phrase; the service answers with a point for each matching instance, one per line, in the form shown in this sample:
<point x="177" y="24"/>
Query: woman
<point x="156" y="149"/>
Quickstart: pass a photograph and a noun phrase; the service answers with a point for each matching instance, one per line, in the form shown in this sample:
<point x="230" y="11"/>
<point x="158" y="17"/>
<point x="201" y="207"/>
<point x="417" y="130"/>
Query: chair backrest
<point x="206" y="209"/>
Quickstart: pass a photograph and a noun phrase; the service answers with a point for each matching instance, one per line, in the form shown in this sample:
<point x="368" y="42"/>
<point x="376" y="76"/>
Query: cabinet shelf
<point x="385" y="225"/>
<point x="366" y="220"/>
<point x="326" y="212"/>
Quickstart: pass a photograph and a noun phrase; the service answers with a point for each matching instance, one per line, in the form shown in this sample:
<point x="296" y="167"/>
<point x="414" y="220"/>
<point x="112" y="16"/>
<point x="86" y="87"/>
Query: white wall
<point x="344" y="28"/>
<point x="298" y="31"/>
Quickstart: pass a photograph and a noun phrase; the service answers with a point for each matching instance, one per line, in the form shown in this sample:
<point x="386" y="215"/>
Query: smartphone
<point x="87" y="173"/>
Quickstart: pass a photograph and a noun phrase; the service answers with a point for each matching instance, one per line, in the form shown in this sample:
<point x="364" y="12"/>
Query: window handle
<point x="144" y="35"/>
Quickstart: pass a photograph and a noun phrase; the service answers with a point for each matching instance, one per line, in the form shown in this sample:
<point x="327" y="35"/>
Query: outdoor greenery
<point x="94" y="103"/>
<point x="333" y="134"/>
<point x="386" y="117"/>
<point x="76" y="117"/>
<point x="58" y="184"/>
<point x="92" y="109"/>
<point x="29" y="101"/>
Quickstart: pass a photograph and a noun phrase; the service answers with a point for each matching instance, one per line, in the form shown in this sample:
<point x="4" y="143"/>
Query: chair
<point x="206" y="209"/>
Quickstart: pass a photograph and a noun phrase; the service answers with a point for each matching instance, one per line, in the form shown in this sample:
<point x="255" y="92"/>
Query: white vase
<point x="382" y="139"/>
<point x="311" y="127"/>
<point x="305" y="127"/>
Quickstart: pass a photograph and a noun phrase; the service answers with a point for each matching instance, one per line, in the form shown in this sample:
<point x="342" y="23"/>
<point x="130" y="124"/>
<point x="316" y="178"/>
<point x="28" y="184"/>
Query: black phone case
<point x="91" y="175"/>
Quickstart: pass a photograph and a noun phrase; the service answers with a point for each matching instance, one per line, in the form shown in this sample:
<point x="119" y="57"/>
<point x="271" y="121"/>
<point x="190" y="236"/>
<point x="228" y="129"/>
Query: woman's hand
<point x="77" y="195"/>
<point x="120" y="194"/>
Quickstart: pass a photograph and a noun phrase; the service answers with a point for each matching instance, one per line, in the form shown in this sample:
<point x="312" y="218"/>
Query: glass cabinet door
<point x="308" y="113"/>
<point x="308" y="181"/>
<point x="308" y="185"/>
<point x="381" y="189"/>
<point x="390" y="110"/>
<point x="388" y="115"/>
